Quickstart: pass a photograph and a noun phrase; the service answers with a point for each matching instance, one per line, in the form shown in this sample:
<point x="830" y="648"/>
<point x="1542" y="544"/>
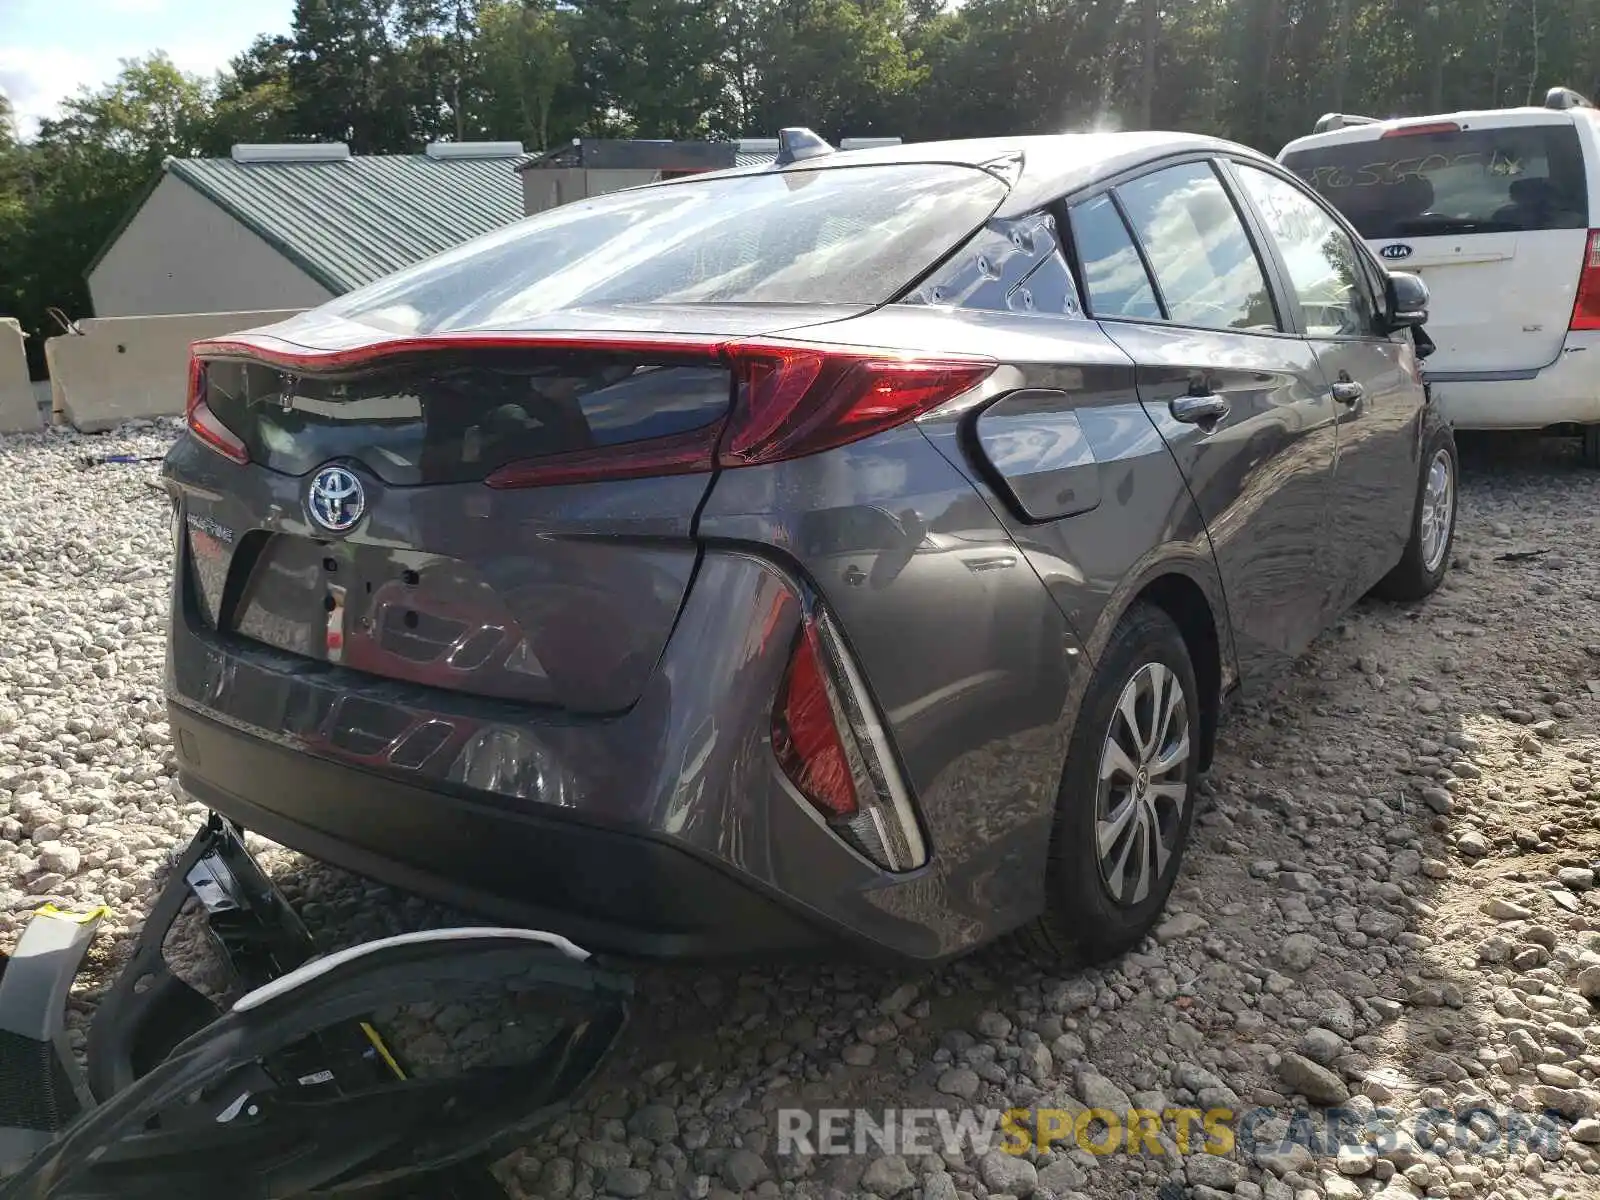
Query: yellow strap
<point x="383" y="1051"/>
<point x="94" y="914"/>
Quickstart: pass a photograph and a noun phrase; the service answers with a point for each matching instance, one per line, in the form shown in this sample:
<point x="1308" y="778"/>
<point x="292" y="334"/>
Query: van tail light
<point x="1586" y="307"/>
<point x="790" y="400"/>
<point x="1421" y="128"/>
<point x="203" y="423"/>
<point x="829" y="742"/>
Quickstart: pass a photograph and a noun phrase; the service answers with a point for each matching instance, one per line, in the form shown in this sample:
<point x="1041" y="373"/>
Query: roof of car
<point x="1052" y="164"/>
<point x="1362" y="130"/>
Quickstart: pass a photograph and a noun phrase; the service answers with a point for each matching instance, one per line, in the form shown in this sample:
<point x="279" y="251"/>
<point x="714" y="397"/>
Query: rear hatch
<point x="458" y="574"/>
<point x="1492" y="212"/>
<point x="530" y="425"/>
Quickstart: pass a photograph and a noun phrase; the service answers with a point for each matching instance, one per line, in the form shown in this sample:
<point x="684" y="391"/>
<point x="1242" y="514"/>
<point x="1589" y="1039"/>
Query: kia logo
<point x="1398" y="250"/>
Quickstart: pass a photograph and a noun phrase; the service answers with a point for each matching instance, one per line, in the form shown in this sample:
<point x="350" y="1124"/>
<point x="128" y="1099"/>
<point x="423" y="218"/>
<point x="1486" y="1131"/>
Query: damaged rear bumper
<point x="607" y="887"/>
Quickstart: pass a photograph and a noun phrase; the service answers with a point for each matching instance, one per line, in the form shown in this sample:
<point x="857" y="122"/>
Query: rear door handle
<point x="1199" y="410"/>
<point x="1348" y="392"/>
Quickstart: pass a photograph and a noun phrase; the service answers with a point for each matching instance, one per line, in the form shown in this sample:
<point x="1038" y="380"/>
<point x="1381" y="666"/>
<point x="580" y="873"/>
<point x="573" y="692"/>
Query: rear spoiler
<point x="1328" y="122"/>
<point x="1561" y="99"/>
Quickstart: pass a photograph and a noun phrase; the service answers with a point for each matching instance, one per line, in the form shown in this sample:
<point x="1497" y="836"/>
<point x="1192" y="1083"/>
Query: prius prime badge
<point x="336" y="500"/>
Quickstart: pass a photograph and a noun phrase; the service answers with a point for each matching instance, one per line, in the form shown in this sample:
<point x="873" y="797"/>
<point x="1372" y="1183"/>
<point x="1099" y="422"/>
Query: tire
<point x="1589" y="454"/>
<point x="1423" y="566"/>
<point x="1085" y="919"/>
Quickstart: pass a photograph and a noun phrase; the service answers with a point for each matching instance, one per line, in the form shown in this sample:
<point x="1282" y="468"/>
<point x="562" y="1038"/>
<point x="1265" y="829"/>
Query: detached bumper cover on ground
<point x="291" y="1091"/>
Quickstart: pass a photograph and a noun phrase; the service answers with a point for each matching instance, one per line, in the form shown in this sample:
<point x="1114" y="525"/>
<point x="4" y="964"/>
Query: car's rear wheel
<point x="1126" y="802"/>
<point x="1422" y="567"/>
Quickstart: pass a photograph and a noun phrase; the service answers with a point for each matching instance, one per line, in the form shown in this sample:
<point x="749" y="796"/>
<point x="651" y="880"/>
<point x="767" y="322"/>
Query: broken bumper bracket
<point x="291" y="1090"/>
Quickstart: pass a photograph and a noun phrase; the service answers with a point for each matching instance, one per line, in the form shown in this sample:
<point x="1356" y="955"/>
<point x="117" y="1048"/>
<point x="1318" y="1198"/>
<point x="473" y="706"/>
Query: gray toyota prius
<point x="854" y="551"/>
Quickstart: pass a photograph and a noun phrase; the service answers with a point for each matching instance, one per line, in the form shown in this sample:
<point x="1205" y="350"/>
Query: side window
<point x="1203" y="261"/>
<point x="1331" y="287"/>
<point x="1113" y="275"/>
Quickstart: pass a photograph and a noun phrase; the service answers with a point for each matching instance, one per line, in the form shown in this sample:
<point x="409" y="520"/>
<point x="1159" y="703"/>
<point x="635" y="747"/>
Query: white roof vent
<point x="264" y="152"/>
<point x="867" y="143"/>
<point x="474" y="150"/>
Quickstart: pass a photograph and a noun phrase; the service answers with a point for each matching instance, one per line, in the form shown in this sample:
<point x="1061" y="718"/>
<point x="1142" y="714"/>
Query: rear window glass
<point x="1511" y="179"/>
<point x="840" y="235"/>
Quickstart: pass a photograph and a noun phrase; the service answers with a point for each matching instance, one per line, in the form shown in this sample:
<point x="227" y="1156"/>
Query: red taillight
<point x="1586" y="307"/>
<point x="678" y="454"/>
<point x="805" y="732"/>
<point x="203" y="422"/>
<point x="796" y="400"/>
<point x="1420" y="128"/>
<point x="791" y="400"/>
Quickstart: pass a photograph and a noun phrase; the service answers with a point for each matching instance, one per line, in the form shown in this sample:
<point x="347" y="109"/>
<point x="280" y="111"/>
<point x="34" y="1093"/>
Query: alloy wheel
<point x="1144" y="783"/>
<point x="1438" y="510"/>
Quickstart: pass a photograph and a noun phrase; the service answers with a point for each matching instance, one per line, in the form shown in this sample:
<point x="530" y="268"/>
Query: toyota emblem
<point x="336" y="500"/>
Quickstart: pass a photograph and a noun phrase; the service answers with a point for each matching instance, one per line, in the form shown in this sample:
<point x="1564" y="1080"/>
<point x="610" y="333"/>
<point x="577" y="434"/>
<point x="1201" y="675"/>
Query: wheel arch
<point x="1187" y="589"/>
<point x="1182" y="599"/>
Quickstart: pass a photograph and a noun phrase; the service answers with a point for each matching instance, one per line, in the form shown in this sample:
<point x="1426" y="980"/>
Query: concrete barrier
<point x="19" y="408"/>
<point x="121" y="368"/>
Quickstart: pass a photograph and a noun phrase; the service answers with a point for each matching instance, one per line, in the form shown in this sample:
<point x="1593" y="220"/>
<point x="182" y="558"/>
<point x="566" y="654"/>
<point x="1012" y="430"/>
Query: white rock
<point x="1502" y="909"/>
<point x="54" y="856"/>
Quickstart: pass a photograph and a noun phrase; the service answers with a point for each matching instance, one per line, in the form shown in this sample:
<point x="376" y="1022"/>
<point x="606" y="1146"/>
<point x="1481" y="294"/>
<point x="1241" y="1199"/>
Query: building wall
<point x="183" y="254"/>
<point x="551" y="187"/>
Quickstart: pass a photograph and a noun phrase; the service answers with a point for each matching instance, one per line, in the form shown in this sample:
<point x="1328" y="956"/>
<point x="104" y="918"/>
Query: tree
<point x="837" y="65"/>
<point x="79" y="176"/>
<point x="346" y="76"/>
<point x="13" y="206"/>
<point x="389" y="75"/>
<point x="649" y="68"/>
<point x="438" y="61"/>
<point x="107" y="145"/>
<point x="254" y="98"/>
<point x="526" y="67"/>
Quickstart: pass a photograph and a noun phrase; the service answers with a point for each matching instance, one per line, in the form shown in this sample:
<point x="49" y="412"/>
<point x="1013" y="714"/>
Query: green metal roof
<point x="353" y="220"/>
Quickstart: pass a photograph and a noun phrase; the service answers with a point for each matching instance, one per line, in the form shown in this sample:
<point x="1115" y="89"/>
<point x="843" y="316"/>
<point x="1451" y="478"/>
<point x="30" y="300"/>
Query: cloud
<point x="37" y="79"/>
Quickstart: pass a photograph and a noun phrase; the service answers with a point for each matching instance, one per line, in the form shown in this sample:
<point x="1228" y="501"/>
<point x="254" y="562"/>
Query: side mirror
<point x="1406" y="302"/>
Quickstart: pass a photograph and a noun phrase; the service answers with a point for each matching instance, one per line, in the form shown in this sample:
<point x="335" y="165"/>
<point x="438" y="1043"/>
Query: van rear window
<point x="1510" y="179"/>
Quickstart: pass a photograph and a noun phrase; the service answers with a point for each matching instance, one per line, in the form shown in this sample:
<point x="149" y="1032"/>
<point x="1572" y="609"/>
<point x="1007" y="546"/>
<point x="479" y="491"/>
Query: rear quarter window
<point x="1489" y="180"/>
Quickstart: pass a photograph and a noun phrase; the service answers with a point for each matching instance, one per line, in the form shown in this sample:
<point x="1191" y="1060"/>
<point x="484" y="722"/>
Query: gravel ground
<point x="1390" y="900"/>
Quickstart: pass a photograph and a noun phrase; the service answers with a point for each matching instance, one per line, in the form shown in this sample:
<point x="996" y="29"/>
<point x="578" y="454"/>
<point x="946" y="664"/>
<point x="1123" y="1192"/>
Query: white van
<point x="1497" y="211"/>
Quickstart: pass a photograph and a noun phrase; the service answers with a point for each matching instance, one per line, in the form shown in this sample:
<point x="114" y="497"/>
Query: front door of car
<point x="1173" y="277"/>
<point x="1372" y="378"/>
